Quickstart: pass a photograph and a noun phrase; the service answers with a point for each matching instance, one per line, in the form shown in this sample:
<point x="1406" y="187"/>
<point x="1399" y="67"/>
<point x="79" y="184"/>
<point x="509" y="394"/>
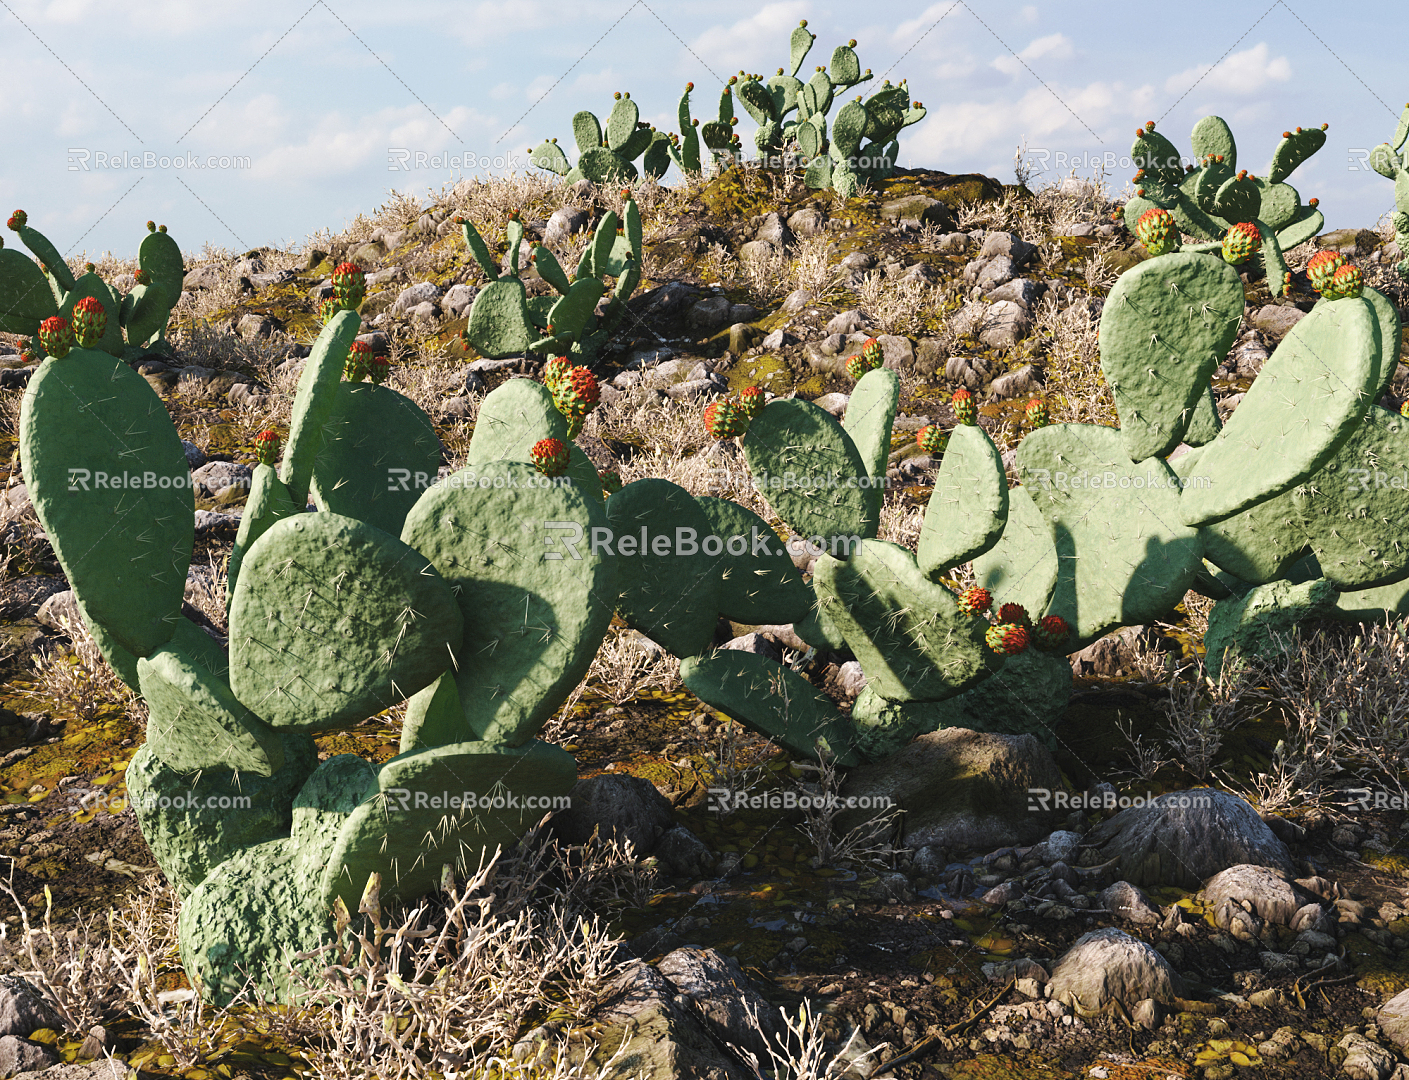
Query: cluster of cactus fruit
<point x="34" y="291"/>
<point x="860" y="146"/>
<point x="505" y="321"/>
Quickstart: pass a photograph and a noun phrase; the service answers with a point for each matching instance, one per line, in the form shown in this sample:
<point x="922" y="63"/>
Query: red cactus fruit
<point x="964" y="409"/>
<point x="379" y="368"/>
<point x="349" y="285"/>
<point x="1015" y="614"/>
<point x="611" y="482"/>
<point x="266" y="447"/>
<point x="1322" y="268"/>
<point x="1051" y="632"/>
<point x="554" y="370"/>
<point x="17" y="221"/>
<point x="551" y="456"/>
<point x="932" y="439"/>
<point x="1241" y="243"/>
<point x="1006" y="638"/>
<point x="359" y="362"/>
<point x="142" y="277"/>
<point x="725" y="420"/>
<point x="576" y="394"/>
<point x="1348" y="283"/>
<point x="751" y="401"/>
<point x="1037" y="413"/>
<point x="90" y="322"/>
<point x="56" y="336"/>
<point x="27" y="352"/>
<point x="975" y="601"/>
<point x="1155" y="230"/>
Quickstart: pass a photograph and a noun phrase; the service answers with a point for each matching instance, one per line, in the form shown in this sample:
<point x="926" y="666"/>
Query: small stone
<point x="847" y="322"/>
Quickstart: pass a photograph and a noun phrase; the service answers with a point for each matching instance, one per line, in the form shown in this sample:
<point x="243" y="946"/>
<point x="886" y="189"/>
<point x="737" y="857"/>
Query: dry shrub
<point x="79" y="681"/>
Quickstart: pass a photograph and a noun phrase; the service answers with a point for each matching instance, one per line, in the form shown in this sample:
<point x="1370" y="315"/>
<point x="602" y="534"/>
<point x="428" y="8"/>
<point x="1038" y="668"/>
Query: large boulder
<point x="619" y="808"/>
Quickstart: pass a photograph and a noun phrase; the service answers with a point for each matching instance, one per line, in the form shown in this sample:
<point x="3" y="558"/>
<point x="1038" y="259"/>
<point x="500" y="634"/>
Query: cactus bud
<point x="28" y="353"/>
<point x="379" y="369"/>
<point x="1051" y="632"/>
<point x="852" y="43"/>
<point x="1404" y="409"/>
<point x="56" y="336"/>
<point x="17" y="221"/>
<point x="349" y="285"/>
<point x="1155" y="230"/>
<point x="161" y="228"/>
<point x="751" y="401"/>
<point x="90" y="322"/>
<point x="358" y="364"/>
<point x="327" y="309"/>
<point x="551" y="456"/>
<point x="554" y="370"/>
<point x="975" y="601"/>
<point x="1322" y="269"/>
<point x="151" y="226"/>
<point x="1241" y="243"/>
<point x="89" y="268"/>
<point x="1015" y="614"/>
<point x="1037" y="413"/>
<point x="932" y="439"/>
<point x="964" y="410"/>
<point x="725" y="420"/>
<point x="1347" y="283"/>
<point x="576" y="393"/>
<point x="142" y="277"/>
<point x="266" y="447"/>
<point x="611" y="482"/>
<point x="868" y="359"/>
<point x="689" y="86"/>
<point x="1006" y="638"/>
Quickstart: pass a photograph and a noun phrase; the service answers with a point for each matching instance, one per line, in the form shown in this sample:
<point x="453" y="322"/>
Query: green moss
<point x="767" y="371"/>
<point x="739" y="193"/>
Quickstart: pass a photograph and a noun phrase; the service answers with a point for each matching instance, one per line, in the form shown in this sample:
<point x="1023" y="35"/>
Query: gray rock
<point x="722" y="998"/>
<point x="16" y="503"/>
<point x="102" y="1069"/>
<point x="1246" y="358"/>
<point x="920" y="274"/>
<point x="1004" y="325"/>
<point x="213" y="478"/>
<point x="60" y="613"/>
<point x="953" y="243"/>
<point x="807" y="222"/>
<point x="773" y="230"/>
<point x="684" y="854"/>
<point x="208" y="523"/>
<point x="427" y="309"/>
<point x="1277" y="319"/>
<point x="203" y="277"/>
<point x="899" y="352"/>
<point x="457" y="300"/>
<point x="1080" y="228"/>
<point x="1061" y="847"/>
<point x="858" y="260"/>
<point x="1129" y="903"/>
<point x="1019" y="382"/>
<point x="564" y="223"/>
<point x="1110" y="655"/>
<point x="992" y="271"/>
<point x="22" y="1056"/>
<point x="1186" y="837"/>
<point x="968" y="319"/>
<point x="420" y="293"/>
<point x="834" y="403"/>
<point x="851" y="680"/>
<point x="694" y="388"/>
<point x="617" y="807"/>
<point x="847" y="322"/>
<point x="1108" y="967"/>
<point x="968" y="371"/>
<point x="253" y="327"/>
<point x="21" y="598"/>
<point x="917" y="210"/>
<point x="777" y="340"/>
<point x="1393" y="1019"/>
<point x="1365" y="1060"/>
<point x="710" y="314"/>
<point x="961" y="788"/>
<point x="1009" y="244"/>
<point x="755" y="644"/>
<point x="1022" y="291"/>
<point x="1267" y="892"/>
<point x="757" y="251"/>
<point x="23" y="1008"/>
<point x="796" y="301"/>
<point x="195" y="456"/>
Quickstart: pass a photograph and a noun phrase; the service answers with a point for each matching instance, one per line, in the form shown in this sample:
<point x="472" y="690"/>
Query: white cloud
<point x="757" y="42"/>
<point x="908" y="31"/>
<point x="1051" y="47"/>
<point x="1245" y="72"/>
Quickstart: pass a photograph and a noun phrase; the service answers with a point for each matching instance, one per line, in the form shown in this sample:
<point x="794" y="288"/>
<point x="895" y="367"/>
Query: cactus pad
<point x="761" y="585"/>
<point x="969" y="506"/>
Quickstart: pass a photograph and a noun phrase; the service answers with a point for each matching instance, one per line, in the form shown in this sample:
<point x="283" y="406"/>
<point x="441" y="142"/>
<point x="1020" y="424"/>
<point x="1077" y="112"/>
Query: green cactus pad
<point x="770" y="699"/>
<point x="25" y="299"/>
<point x="870" y="414"/>
<point x="799" y="42"/>
<point x="674" y="599"/>
<point x="407" y="833"/>
<point x="380" y="453"/>
<point x="86" y="420"/>
<point x="333" y="621"/>
<point x="817" y="628"/>
<point x="586" y="131"/>
<point x="968" y="508"/>
<point x="548" y="155"/>
<point x="513" y="417"/>
<point x="145" y="312"/>
<point x="761" y="585"/>
<point x="574" y="310"/>
<point x="1155" y="154"/>
<point x="758" y="101"/>
<point x="1303" y="405"/>
<point x="845" y="68"/>
<point x="534" y="621"/>
<point x="210" y="815"/>
<point x="848" y="129"/>
<point x="499" y="322"/>
<point x="202" y="648"/>
<point x="49" y="255"/>
<point x="1166" y="326"/>
<point x="434" y="717"/>
<point x="1386" y="603"/>
<point x="196" y="723"/>
<point x="160" y="256"/>
<point x="314" y="402"/>
<point x="911" y="638"/>
<point x="1213" y="136"/>
<point x="1391" y="337"/>
<point x="550" y="270"/>
<point x="1124" y="556"/>
<point x="603" y="166"/>
<point x="1293" y="150"/>
<point x="1204" y="423"/>
<point x="1022" y="567"/>
<point x="268" y="501"/>
<point x="480" y="250"/>
<point x="826" y="494"/>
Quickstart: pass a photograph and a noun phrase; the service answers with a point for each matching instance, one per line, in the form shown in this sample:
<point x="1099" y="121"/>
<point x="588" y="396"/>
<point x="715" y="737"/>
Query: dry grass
<point x="901" y="307"/>
<point x="78" y="681"/>
<point x="1076" y="390"/>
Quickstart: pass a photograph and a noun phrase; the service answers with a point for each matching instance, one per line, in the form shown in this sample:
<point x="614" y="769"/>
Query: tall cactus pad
<point x="196" y="723"/>
<point x="1391" y="337"/>
<point x="770" y="699"/>
<point x="333" y="621"/>
<point x="1303" y="405"/>
<point x="87" y="424"/>
<point x="537" y="599"/>
<point x="1256" y="545"/>
<point x="911" y="638"/>
<point x="208" y="816"/>
<point x="870" y="414"/>
<point x="810" y="471"/>
<point x="1166" y="326"/>
<point x="1022" y="567"/>
<point x="672" y="598"/>
<point x="269" y="501"/>
<point x="25" y="299"/>
<point x="314" y="402"/>
<point x="411" y="829"/>
<point x="758" y="583"/>
<point x="511" y="419"/>
<point x="969" y="506"/>
<point x="380" y="453"/>
<point x="1124" y="556"/>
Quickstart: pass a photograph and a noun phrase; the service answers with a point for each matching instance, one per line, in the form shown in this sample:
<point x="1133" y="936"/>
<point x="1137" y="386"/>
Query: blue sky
<point x="318" y="98"/>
